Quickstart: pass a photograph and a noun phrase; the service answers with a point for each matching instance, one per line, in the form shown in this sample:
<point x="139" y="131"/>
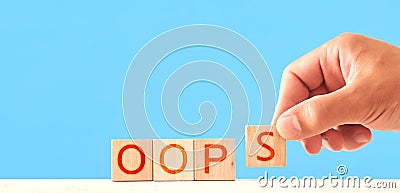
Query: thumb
<point x="318" y="114"/>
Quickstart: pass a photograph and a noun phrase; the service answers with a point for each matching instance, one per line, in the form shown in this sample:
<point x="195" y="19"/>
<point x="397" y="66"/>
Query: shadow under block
<point x="173" y="159"/>
<point x="215" y="159"/>
<point x="131" y="160"/>
<point x="264" y="147"/>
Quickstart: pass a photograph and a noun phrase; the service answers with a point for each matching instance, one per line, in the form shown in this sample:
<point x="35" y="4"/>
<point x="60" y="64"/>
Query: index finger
<point x="298" y="80"/>
<point x="318" y="72"/>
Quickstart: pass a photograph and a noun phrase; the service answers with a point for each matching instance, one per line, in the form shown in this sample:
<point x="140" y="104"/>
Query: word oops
<point x="188" y="159"/>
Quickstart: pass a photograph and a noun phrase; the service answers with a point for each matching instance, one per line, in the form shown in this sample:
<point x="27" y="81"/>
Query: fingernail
<point x="360" y="138"/>
<point x="325" y="143"/>
<point x="289" y="126"/>
<point x="301" y="142"/>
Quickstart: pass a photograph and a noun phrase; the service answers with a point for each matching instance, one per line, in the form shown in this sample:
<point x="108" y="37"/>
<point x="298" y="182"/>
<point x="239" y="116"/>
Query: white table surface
<point x="107" y="186"/>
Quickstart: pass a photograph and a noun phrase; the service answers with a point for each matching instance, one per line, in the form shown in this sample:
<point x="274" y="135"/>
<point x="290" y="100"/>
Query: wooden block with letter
<point x="215" y="159"/>
<point x="173" y="159"/>
<point x="131" y="160"/>
<point x="264" y="147"/>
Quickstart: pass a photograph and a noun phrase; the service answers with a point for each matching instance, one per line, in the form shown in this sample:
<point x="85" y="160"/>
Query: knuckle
<point x="350" y="46"/>
<point x="348" y="39"/>
<point x="346" y="35"/>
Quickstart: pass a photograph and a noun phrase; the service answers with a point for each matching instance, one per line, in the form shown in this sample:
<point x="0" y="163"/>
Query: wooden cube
<point x="215" y="159"/>
<point x="264" y="147"/>
<point x="173" y="159"/>
<point x="131" y="160"/>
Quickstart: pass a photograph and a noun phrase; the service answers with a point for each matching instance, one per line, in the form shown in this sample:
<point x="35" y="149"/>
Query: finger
<point x="355" y="136"/>
<point x="319" y="68"/>
<point x="332" y="140"/>
<point x="298" y="79"/>
<point x="312" y="144"/>
<point x="318" y="114"/>
<point x="318" y="91"/>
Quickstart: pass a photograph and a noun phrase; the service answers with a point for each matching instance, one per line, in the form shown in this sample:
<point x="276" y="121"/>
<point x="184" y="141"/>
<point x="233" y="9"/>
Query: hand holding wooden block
<point x="264" y="147"/>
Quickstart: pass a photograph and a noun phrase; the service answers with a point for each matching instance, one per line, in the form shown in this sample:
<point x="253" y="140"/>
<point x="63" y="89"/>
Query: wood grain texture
<point x="215" y="159"/>
<point x="130" y="164"/>
<point x="173" y="160"/>
<point x="264" y="147"/>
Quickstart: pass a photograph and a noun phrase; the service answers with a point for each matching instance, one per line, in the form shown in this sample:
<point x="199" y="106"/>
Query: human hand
<point x="333" y="96"/>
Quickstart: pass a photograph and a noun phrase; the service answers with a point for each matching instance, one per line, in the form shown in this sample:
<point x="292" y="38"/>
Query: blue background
<point x="63" y="64"/>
